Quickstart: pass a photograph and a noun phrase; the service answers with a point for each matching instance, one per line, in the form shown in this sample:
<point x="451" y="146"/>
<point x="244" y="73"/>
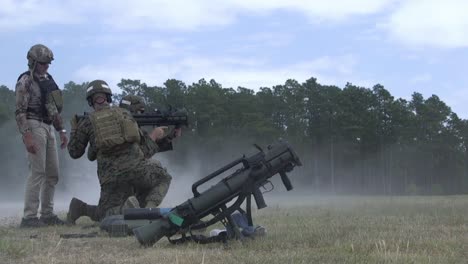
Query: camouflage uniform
<point x="136" y="104"/>
<point x="35" y="113"/>
<point x="122" y="172"/>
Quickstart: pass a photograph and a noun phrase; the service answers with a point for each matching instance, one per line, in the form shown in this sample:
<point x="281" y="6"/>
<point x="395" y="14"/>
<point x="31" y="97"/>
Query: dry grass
<point x="319" y="230"/>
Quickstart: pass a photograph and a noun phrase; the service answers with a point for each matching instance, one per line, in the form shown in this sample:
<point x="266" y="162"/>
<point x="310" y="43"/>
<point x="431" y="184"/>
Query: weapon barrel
<point x="145" y="213"/>
<point x="178" y="118"/>
<point x="160" y="119"/>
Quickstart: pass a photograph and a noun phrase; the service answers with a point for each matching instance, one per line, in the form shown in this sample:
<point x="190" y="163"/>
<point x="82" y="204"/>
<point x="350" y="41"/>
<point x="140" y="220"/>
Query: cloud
<point x="165" y="15"/>
<point x="421" y="78"/>
<point x="416" y="23"/>
<point x="430" y="23"/>
<point x="317" y="10"/>
<point x="27" y="14"/>
<point x="261" y="40"/>
<point x="145" y="64"/>
<point x="169" y="15"/>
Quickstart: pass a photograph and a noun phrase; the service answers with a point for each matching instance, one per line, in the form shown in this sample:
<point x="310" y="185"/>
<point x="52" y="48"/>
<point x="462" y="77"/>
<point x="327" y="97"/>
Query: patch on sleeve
<point x="126" y="102"/>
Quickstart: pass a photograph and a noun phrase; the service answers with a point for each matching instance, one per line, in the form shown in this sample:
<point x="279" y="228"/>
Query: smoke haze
<point x="78" y="178"/>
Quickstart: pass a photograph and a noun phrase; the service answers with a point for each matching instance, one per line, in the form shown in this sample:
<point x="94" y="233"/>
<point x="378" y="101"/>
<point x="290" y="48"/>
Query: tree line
<point x="352" y="140"/>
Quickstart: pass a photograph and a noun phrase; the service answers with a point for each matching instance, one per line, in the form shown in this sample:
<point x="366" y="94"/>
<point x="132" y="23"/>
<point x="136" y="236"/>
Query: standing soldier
<point x="38" y="107"/>
<point x="123" y="170"/>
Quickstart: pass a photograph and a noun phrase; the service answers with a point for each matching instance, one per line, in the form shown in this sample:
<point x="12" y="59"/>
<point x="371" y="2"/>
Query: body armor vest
<point x="50" y="94"/>
<point x="114" y="126"/>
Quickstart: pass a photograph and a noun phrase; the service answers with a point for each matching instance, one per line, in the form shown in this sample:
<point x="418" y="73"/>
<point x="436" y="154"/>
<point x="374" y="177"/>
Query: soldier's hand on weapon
<point x="177" y="132"/>
<point x="29" y="142"/>
<point x="63" y="139"/>
<point x="158" y="133"/>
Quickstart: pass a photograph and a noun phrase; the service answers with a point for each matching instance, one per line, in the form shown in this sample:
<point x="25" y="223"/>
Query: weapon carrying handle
<point x="214" y="174"/>
<point x="259" y="200"/>
<point x="286" y="181"/>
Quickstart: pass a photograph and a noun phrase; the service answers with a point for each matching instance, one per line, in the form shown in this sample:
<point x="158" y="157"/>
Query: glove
<point x="74" y="123"/>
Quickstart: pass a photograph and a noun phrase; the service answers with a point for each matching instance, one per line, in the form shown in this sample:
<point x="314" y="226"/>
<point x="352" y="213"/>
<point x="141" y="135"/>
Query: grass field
<point x="308" y="230"/>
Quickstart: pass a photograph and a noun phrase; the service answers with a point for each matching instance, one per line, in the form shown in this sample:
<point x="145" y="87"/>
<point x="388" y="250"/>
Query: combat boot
<point x="76" y="209"/>
<point x="31" y="223"/>
<point x="51" y="220"/>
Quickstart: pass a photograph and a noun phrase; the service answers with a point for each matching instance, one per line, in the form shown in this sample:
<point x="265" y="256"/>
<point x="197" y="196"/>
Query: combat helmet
<point x="98" y="86"/>
<point x="133" y="103"/>
<point x="39" y="53"/>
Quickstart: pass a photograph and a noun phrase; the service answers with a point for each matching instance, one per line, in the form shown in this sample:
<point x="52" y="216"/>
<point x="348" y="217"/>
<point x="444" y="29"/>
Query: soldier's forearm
<point x="58" y="122"/>
<point x="76" y="149"/>
<point x="164" y="144"/>
<point x="21" y="121"/>
<point x="92" y="154"/>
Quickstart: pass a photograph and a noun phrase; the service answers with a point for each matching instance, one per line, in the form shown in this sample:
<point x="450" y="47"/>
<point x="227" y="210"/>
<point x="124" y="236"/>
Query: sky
<point x="406" y="46"/>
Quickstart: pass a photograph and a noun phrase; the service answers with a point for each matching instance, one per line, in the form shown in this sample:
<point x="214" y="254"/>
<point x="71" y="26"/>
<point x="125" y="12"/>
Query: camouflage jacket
<point x="110" y="166"/>
<point x="29" y="105"/>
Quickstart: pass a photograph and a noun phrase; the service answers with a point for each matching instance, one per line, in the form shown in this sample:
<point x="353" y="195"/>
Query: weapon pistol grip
<point x="286" y="181"/>
<point x="259" y="200"/>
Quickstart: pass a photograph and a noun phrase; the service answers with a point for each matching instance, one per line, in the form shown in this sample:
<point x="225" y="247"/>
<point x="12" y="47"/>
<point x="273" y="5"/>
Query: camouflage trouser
<point x="149" y="182"/>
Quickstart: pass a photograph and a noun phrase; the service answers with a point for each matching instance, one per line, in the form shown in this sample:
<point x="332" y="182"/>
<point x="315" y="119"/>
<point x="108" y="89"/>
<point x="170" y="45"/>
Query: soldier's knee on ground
<point x="131" y="202"/>
<point x="115" y="210"/>
<point x="157" y="194"/>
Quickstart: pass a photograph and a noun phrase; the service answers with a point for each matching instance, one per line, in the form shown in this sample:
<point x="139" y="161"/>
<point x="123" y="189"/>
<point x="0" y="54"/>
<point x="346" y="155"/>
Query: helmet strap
<point x="33" y="67"/>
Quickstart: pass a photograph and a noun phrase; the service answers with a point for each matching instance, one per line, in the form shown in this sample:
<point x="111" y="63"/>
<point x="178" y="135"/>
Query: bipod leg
<point x="232" y="228"/>
<point x="248" y="208"/>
